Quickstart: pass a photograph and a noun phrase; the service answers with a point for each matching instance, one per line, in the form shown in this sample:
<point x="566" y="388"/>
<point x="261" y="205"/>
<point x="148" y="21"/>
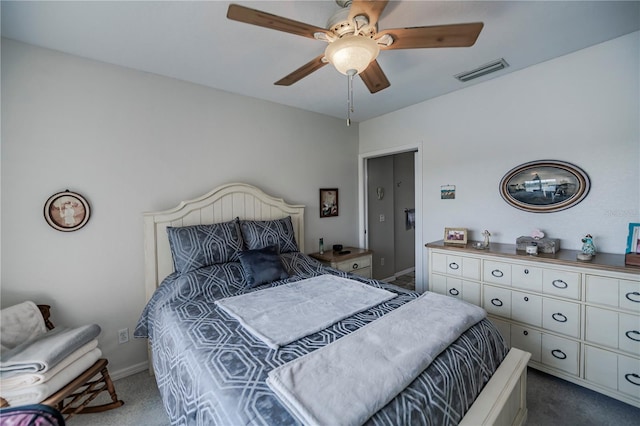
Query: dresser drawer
<point x="561" y="317"/>
<point x="497" y="301"/>
<point x="526" y="277"/>
<point x="459" y="266"/>
<point x="526" y="308"/>
<point x="561" y="283"/>
<point x="497" y="272"/>
<point x="563" y="354"/>
<point x="468" y="291"/>
<point x="527" y="339"/>
<point x="613" y="292"/>
<point x="613" y="371"/>
<point x="613" y="329"/>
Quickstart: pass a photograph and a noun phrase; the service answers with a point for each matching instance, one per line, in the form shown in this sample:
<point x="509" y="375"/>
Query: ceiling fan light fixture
<point x="352" y="53"/>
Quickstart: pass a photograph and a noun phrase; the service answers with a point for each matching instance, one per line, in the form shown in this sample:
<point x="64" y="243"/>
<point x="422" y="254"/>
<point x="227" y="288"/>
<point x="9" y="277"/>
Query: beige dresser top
<point x="602" y="261"/>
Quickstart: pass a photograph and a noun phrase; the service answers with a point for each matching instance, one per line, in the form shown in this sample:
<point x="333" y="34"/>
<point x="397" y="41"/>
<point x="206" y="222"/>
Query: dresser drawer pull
<point x="631" y="296"/>
<point x="497" y="273"/>
<point x="526" y="299"/>
<point x="558" y="354"/>
<point x="454" y="266"/>
<point x="526" y="271"/>
<point x="496" y="302"/>
<point x="632" y="332"/>
<point x="454" y="292"/>
<point x="355" y="266"/>
<point x="526" y="333"/>
<point x="559" y="317"/>
<point x="634" y="376"/>
<point x="559" y="284"/>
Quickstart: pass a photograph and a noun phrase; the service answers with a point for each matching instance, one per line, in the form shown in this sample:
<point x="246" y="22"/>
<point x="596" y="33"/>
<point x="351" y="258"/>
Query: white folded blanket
<point x="30" y="379"/>
<point x="283" y="314"/>
<point x="347" y="381"/>
<point x="38" y="393"/>
<point x="20" y="323"/>
<point x="46" y="350"/>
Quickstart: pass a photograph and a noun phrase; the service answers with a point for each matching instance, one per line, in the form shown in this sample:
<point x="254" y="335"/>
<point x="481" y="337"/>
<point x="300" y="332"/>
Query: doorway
<point x="390" y="212"/>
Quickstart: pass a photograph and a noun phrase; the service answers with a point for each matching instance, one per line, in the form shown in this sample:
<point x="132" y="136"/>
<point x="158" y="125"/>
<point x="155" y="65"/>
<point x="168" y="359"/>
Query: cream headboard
<point x="223" y="204"/>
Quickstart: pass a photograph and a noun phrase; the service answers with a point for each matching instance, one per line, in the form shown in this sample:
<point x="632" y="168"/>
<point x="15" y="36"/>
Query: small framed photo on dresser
<point x="633" y="240"/>
<point x="455" y="236"/>
<point x="328" y="202"/>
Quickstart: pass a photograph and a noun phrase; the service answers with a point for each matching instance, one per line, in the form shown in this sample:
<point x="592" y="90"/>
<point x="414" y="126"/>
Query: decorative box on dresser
<point x="357" y="261"/>
<point x="579" y="320"/>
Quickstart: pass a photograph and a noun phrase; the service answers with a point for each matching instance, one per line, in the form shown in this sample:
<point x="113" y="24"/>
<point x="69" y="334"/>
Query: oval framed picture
<point x="67" y="211"/>
<point x="544" y="186"/>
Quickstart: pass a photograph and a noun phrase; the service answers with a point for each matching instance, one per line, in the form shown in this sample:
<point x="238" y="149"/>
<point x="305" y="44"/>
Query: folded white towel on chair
<point x="20" y="323"/>
<point x="46" y="351"/>
<point x="38" y="393"/>
<point x="30" y="379"/>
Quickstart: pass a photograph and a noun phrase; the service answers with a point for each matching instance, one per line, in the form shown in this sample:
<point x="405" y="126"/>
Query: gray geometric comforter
<point x="211" y="371"/>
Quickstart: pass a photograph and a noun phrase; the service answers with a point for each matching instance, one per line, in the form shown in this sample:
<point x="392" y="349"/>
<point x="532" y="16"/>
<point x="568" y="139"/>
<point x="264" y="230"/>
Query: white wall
<point x="582" y="108"/>
<point x="132" y="142"/>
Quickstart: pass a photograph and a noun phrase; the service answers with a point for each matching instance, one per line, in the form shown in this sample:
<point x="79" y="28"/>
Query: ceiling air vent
<point x="482" y="70"/>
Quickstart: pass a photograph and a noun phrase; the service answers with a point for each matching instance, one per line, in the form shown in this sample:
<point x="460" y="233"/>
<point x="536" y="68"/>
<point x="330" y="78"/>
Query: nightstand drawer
<point x="352" y="265"/>
<point x="353" y="260"/>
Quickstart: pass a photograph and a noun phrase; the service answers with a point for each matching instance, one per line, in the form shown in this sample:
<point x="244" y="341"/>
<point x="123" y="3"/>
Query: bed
<point x="211" y="369"/>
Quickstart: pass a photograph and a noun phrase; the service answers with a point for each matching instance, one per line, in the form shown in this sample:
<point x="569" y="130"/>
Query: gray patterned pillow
<point x="258" y="234"/>
<point x="194" y="247"/>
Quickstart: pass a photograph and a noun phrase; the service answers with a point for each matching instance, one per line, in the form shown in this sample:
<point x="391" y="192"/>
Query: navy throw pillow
<point x="262" y="266"/>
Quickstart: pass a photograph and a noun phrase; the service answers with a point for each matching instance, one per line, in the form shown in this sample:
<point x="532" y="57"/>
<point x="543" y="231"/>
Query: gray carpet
<point x="551" y="401"/>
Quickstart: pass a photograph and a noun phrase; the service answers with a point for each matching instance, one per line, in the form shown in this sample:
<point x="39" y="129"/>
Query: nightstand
<point x="357" y="262"/>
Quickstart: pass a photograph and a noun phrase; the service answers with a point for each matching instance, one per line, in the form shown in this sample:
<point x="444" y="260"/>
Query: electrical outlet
<point x="123" y="336"/>
<point x="381" y="218"/>
<point x="382" y="261"/>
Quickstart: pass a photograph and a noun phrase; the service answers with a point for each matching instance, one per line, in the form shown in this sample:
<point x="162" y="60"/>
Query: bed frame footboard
<point x="503" y="401"/>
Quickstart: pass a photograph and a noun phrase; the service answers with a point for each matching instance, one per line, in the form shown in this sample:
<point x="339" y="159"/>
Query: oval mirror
<point x="544" y="186"/>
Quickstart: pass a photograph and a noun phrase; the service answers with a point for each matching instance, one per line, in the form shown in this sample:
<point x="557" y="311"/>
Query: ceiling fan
<point x="354" y="40"/>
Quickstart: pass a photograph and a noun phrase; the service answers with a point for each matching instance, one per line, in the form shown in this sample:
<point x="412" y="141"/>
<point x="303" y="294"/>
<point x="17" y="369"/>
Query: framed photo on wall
<point x="328" y="202"/>
<point x="67" y="211"/>
<point x="455" y="236"/>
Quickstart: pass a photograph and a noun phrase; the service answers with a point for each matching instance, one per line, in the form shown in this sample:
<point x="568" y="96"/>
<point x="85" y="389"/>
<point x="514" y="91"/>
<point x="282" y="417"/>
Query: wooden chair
<point x="75" y="397"/>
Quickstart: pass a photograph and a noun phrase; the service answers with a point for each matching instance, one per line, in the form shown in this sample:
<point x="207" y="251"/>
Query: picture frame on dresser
<point x="633" y="239"/>
<point x="455" y="236"/>
<point x="632" y="253"/>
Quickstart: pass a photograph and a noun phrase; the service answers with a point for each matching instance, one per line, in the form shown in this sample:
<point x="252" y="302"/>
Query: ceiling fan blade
<point x="374" y="77"/>
<point x="274" y="22"/>
<point x="454" y="35"/>
<point x="371" y="8"/>
<point x="311" y="66"/>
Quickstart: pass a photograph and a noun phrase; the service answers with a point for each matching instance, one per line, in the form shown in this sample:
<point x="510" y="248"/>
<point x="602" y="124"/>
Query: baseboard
<point x="398" y="274"/>
<point x="405" y="272"/>
<point x="129" y="371"/>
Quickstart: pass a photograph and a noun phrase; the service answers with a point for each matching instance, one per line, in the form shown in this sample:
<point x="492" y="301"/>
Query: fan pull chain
<point x="350" y="75"/>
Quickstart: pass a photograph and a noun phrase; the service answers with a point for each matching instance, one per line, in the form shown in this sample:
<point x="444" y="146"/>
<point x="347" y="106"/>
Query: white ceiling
<point x="194" y="41"/>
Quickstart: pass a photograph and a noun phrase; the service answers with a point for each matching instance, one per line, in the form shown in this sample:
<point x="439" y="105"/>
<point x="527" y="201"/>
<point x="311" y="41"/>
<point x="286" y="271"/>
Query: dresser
<point x="358" y="261"/>
<point x="579" y="320"/>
